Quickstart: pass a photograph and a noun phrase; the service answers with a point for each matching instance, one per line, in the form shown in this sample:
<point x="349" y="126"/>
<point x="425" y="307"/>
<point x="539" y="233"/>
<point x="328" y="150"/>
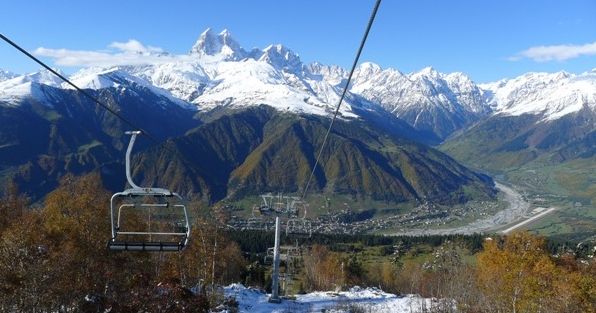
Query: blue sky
<point x="484" y="39"/>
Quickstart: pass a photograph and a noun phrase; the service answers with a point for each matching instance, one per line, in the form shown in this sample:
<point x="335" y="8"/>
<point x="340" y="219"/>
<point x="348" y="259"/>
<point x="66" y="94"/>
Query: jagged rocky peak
<point x="369" y="70"/>
<point x="427" y="72"/>
<point x="5" y="75"/>
<point x="369" y="66"/>
<point x="458" y="77"/>
<point x="460" y="82"/>
<point x="223" y="43"/>
<point x="207" y="43"/>
<point x="334" y="71"/>
<point x="333" y="74"/>
<point x="281" y="57"/>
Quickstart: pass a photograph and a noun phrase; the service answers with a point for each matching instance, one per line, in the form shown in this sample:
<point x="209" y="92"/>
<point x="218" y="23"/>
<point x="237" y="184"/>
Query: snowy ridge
<point x="426" y="89"/>
<point x="551" y="95"/>
<point x="32" y="85"/>
<point x="219" y="72"/>
<point x="371" y="299"/>
<point x="94" y="78"/>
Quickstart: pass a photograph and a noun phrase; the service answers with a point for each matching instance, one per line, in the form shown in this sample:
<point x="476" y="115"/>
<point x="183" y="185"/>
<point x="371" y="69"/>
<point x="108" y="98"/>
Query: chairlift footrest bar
<point x="145" y="246"/>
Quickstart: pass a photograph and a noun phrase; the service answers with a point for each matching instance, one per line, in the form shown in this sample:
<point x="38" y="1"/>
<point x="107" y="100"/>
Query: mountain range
<point x="208" y="106"/>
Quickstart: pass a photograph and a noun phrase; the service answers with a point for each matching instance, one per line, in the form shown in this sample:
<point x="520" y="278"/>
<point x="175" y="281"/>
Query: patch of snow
<point x="372" y="299"/>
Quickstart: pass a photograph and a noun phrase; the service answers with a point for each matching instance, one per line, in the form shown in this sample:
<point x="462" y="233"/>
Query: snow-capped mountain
<point x="545" y="116"/>
<point x="218" y="72"/>
<point x="550" y="95"/>
<point x="427" y="99"/>
<point x="333" y="74"/>
<point x="5" y="75"/>
<point x="218" y="45"/>
<point x="93" y="78"/>
<point x="15" y="88"/>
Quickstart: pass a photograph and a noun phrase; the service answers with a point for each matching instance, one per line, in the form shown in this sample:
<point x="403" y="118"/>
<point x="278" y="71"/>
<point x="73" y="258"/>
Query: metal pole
<point x="275" y="275"/>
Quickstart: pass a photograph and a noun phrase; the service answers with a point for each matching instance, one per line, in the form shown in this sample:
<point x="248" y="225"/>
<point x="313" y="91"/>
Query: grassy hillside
<point x="552" y="162"/>
<point x="261" y="150"/>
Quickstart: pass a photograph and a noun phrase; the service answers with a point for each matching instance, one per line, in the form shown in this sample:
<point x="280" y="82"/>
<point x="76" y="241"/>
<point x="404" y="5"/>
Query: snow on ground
<point x="370" y="299"/>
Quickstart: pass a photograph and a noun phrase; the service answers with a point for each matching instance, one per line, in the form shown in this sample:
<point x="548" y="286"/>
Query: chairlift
<point x="268" y="258"/>
<point x="166" y="224"/>
<point x="255" y="223"/>
<point x="299" y="228"/>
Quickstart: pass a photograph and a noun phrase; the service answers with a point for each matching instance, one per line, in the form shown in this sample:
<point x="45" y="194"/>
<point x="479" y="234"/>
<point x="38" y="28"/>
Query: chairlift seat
<point x="176" y="233"/>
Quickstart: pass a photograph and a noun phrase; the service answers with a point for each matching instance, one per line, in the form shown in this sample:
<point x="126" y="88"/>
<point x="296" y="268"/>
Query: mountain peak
<point x="224" y="33"/>
<point x="459" y="78"/>
<point x="429" y="71"/>
<point x="220" y="44"/>
<point x="5" y="75"/>
<point x="205" y="42"/>
<point x="45" y="77"/>
<point x="369" y="67"/>
<point x="425" y="73"/>
<point x="281" y="57"/>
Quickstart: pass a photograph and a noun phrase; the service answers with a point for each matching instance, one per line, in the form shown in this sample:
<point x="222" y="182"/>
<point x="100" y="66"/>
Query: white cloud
<point x="134" y="46"/>
<point x="556" y="52"/>
<point x="131" y="52"/>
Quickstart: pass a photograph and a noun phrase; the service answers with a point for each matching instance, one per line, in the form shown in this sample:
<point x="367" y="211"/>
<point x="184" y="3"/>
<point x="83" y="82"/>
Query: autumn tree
<point x="12" y="205"/>
<point x="384" y="275"/>
<point x="211" y="258"/>
<point x="323" y="269"/>
<point x="518" y="275"/>
<point x="23" y="258"/>
<point x="56" y="258"/>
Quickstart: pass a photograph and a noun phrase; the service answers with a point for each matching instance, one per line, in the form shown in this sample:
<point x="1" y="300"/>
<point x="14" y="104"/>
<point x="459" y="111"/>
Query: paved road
<point x="534" y="217"/>
<point x="517" y="209"/>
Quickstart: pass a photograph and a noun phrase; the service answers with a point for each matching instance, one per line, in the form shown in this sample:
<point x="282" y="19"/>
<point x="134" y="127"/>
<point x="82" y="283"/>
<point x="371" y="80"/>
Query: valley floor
<point x="517" y="210"/>
<point x="369" y="300"/>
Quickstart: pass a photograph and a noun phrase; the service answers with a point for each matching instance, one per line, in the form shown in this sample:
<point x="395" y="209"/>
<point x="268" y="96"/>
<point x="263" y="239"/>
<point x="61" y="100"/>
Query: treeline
<point x="511" y="274"/>
<point x="257" y="241"/>
<point x="55" y="259"/>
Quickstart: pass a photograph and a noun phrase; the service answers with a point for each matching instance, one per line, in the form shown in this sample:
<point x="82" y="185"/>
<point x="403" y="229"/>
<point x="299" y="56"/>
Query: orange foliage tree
<point x="56" y="258"/>
<point x="518" y="275"/>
